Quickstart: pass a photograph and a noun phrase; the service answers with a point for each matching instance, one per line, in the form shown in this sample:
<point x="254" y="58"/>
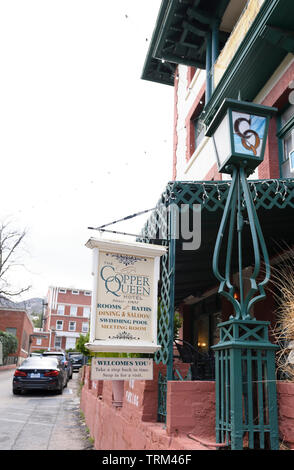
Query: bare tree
<point x="11" y="241"/>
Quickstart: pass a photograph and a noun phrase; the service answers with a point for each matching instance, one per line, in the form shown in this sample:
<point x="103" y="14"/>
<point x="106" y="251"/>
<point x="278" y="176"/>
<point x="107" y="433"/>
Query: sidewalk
<point x="11" y="366"/>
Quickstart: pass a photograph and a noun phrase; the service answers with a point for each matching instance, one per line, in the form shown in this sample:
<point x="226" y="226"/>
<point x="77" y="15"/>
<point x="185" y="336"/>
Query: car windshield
<point x="40" y="363"/>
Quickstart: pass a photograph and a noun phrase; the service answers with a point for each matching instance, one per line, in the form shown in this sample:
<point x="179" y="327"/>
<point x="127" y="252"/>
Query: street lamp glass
<point x="239" y="131"/>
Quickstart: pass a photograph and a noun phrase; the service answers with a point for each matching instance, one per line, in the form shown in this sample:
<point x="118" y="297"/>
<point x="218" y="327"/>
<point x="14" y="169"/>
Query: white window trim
<point x="75" y="292"/>
<point x="290" y="160"/>
<point x="85" y="327"/>
<point x="60" y="305"/>
<point x="73" y="323"/>
<point x="88" y="293"/>
<point x="58" y="339"/>
<point x="76" y="312"/>
<point x="88" y="311"/>
<point x="57" y="322"/>
<point x="62" y="291"/>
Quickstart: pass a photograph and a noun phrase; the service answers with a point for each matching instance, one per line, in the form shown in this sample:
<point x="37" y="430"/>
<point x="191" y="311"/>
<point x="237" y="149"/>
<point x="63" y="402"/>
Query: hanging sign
<point x="121" y="368"/>
<point x="124" y="297"/>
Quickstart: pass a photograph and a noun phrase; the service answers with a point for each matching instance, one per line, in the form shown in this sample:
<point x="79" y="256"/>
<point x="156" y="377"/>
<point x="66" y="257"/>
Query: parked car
<point x="40" y="373"/>
<point x="78" y="360"/>
<point x="64" y="358"/>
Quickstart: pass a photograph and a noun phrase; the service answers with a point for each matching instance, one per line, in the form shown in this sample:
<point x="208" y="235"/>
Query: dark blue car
<point x="40" y="373"/>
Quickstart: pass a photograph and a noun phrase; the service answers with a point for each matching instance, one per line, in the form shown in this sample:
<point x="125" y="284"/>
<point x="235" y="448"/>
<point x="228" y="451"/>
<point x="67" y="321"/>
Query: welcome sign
<point x="124" y="299"/>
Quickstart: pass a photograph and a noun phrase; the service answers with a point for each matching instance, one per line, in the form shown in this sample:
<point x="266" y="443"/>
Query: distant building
<point x="18" y="323"/>
<point x="67" y="316"/>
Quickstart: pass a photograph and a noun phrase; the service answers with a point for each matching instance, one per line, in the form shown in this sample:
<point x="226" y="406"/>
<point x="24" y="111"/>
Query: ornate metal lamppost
<point x="246" y="403"/>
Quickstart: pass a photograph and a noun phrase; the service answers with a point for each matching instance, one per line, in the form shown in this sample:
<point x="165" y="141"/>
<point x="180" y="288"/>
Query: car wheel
<point x="16" y="392"/>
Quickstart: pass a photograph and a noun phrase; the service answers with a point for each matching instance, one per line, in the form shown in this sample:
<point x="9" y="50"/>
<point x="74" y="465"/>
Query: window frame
<point x="76" y="311"/>
<point x="59" y="321"/>
<point x="85" y="330"/>
<point x="58" y="312"/>
<point x="285" y="130"/>
<point x="72" y="323"/>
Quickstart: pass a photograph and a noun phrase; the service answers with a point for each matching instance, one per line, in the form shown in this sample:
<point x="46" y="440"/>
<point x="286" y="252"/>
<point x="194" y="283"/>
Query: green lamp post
<point x="246" y="403"/>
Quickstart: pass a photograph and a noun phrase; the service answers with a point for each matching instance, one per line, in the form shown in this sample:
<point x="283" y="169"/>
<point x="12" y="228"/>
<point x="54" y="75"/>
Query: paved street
<point x="40" y="420"/>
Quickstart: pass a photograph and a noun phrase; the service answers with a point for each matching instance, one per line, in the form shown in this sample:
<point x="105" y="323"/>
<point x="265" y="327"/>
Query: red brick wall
<point x="45" y="342"/>
<point x="67" y="299"/>
<point x="278" y="97"/>
<point x="70" y="298"/>
<point x="18" y="319"/>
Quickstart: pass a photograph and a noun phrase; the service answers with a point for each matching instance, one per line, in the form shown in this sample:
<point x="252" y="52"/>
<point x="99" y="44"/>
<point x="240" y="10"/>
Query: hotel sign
<point x="124" y="299"/>
<point x="121" y="368"/>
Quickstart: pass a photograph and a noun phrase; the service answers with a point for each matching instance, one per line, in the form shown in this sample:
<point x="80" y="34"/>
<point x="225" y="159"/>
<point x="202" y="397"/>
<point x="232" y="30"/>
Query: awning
<point x="179" y="37"/>
<point x="274" y="201"/>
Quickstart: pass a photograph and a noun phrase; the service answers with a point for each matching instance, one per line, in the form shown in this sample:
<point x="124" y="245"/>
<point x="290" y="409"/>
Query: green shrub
<point x="9" y="343"/>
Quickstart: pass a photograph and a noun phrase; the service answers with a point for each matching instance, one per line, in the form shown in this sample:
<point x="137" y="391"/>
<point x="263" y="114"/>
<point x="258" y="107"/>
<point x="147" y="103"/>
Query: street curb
<point x="12" y="366"/>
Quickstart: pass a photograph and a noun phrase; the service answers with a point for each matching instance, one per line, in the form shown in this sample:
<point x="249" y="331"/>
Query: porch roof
<point x="274" y="201"/>
<point x="179" y="37"/>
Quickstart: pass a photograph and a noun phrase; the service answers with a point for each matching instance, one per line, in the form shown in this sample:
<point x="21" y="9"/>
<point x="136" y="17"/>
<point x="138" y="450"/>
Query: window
<point x="12" y="331"/>
<point x="87" y="292"/>
<point x="59" y="325"/>
<point x="286" y="142"/>
<point x="86" y="312"/>
<point x="85" y="327"/>
<point x="60" y="309"/>
<point x="291" y="159"/>
<point x="38" y="341"/>
<point x="57" y="342"/>
<point x="199" y="130"/>
<point x="194" y="124"/>
<point x="75" y="292"/>
<point x="73" y="310"/>
<point x="62" y="291"/>
<point x="72" y="326"/>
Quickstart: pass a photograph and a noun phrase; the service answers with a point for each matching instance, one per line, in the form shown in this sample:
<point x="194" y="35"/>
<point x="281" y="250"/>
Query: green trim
<point x="247" y="59"/>
<point x="280" y="146"/>
<point x="286" y="128"/>
<point x="179" y="36"/>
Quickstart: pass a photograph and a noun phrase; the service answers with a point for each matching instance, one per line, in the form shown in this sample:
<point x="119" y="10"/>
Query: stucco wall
<point x="190" y="421"/>
<point x="134" y="426"/>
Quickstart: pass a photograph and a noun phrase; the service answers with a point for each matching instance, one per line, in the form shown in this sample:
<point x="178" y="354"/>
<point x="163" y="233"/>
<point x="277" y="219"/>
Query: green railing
<point x="213" y="196"/>
<point x="246" y="411"/>
<point x="162" y="392"/>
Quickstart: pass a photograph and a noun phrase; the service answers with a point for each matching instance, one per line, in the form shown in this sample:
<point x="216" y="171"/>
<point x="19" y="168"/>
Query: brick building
<point x="67" y="316"/>
<point x="18" y="323"/>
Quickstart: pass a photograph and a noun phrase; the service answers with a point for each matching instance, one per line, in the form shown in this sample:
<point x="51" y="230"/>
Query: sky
<point x="84" y="140"/>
